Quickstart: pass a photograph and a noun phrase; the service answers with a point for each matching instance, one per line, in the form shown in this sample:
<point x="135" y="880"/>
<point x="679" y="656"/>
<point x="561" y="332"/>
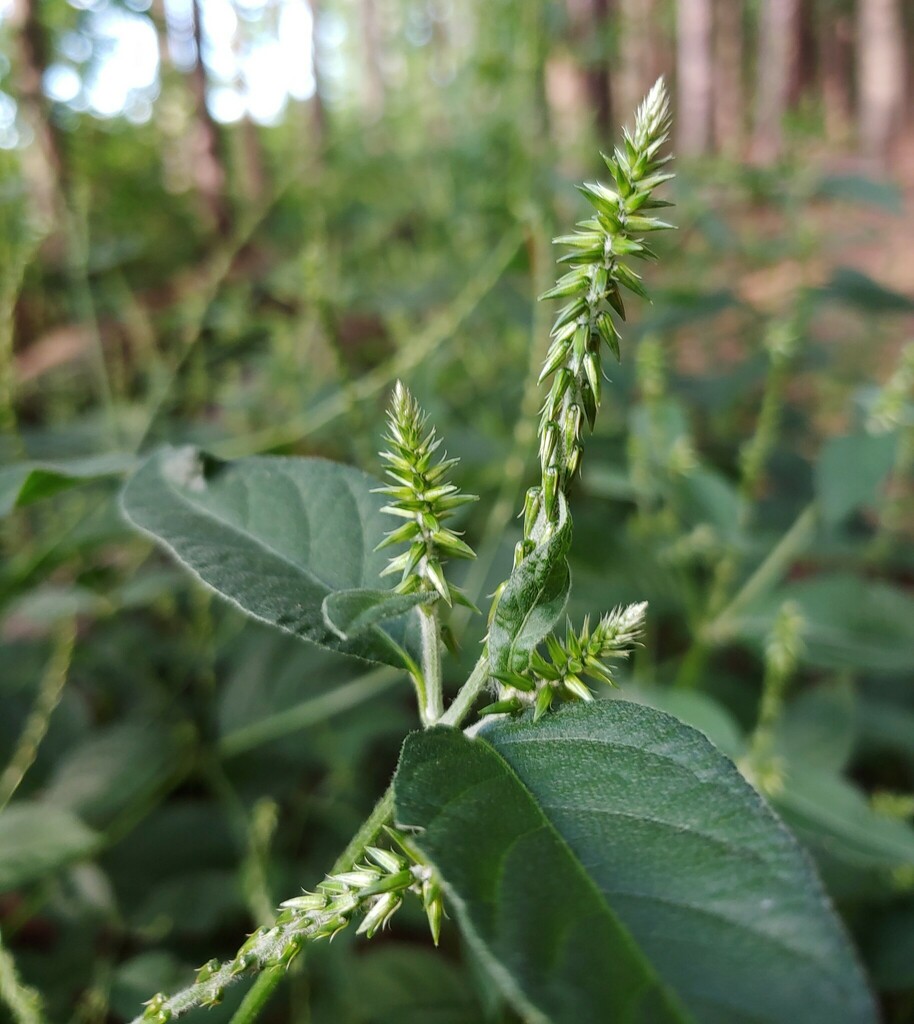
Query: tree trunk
<point x="777" y="55"/>
<point x="729" y="93"/>
<point x="881" y="76"/>
<point x="836" y="39"/>
<point x="44" y="164"/>
<point x="373" y="84"/>
<point x="693" y="76"/>
<point x="588" y="23"/>
<point x="210" y="174"/>
<point x="639" y="61"/>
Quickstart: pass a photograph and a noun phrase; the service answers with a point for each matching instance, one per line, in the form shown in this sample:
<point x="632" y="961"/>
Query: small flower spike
<point x="558" y="673"/>
<point x="420" y="494"/>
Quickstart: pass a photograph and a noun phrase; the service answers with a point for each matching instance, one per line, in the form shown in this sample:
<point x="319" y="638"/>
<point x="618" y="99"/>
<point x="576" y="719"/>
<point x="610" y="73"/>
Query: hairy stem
<point x="23" y="1002"/>
<point x="36" y="726"/>
<point x="430" y="626"/>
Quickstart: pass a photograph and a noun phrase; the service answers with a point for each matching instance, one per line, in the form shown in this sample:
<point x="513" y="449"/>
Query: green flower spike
<point x="558" y="674"/>
<point x="421" y="494"/>
<point x="601" y="251"/>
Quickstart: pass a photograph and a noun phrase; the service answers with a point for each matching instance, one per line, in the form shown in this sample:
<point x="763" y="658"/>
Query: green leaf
<point x="699" y="710"/>
<point x="831" y="814"/>
<point x="27" y="482"/>
<point x="849" y="622"/>
<point x="818" y="728"/>
<point x="134" y="979"/>
<point x="350" y="612"/>
<point x="851" y="471"/>
<point x="611" y="865"/>
<point x="36" y="839"/>
<point x="889" y="949"/>
<point x="114" y="769"/>
<point x="275" y="536"/>
<point x="854" y="288"/>
<point x="855" y="188"/>
<point x="533" y="599"/>
<point x="410" y="985"/>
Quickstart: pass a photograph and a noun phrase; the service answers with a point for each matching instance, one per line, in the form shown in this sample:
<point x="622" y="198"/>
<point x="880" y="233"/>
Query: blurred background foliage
<point x="236" y="223"/>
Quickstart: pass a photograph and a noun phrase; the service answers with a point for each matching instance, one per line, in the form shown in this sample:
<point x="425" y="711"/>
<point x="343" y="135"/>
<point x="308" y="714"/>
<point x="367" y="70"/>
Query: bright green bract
<point x="277" y="537"/>
<point x="534" y="599"/>
<point x="609" y="864"/>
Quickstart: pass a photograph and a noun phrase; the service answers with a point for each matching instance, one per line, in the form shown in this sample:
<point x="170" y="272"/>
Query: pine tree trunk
<point x="777" y="54"/>
<point x="633" y="26"/>
<point x="881" y="76"/>
<point x="836" y="37"/>
<point x="729" y="92"/>
<point x="373" y="84"/>
<point x="693" y="76"/>
<point x="44" y="164"/>
<point x="588" y="21"/>
<point x="210" y="175"/>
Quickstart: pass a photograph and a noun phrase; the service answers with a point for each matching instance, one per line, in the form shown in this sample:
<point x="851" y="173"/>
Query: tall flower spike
<point x="600" y="253"/>
<point x="421" y="494"/>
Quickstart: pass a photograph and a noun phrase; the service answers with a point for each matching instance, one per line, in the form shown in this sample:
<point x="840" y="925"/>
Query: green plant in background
<point x="600" y="859"/>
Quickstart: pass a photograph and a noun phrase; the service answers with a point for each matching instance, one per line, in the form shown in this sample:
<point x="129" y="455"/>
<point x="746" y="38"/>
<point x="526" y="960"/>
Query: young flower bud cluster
<point x="421" y="494"/>
<point x="558" y="674"/>
<point x="593" y="287"/>
<point x="374" y="889"/>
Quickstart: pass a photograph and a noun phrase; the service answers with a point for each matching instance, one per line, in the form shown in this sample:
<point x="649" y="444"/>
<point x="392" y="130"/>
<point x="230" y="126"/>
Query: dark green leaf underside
<point x="28" y="482"/>
<point x="614" y="866"/>
<point x="275" y="536"/>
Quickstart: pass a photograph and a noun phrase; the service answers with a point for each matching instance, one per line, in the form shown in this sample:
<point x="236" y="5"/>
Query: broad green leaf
<point x="276" y="688"/>
<point x="27" y="482"/>
<point x="851" y="471"/>
<point x="114" y="769"/>
<point x="832" y="814"/>
<point x="850" y="622"/>
<point x="134" y="979"/>
<point x="854" y="288"/>
<point x="36" y="839"/>
<point x="193" y="903"/>
<point x="699" y="710"/>
<point x="818" y="728"/>
<point x="534" y="598"/>
<point x="350" y="612"/>
<point x="275" y="536"/>
<point x="611" y="865"/>
<point x="410" y="985"/>
<point x="704" y="496"/>
<point x="855" y="188"/>
<point x="889" y="948"/>
<point x="886" y="726"/>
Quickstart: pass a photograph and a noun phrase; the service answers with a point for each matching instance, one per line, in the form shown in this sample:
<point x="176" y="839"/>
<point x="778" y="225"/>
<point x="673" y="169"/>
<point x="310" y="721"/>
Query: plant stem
<point x="470" y="690"/>
<point x="23" y="1002"/>
<point x="309" y="712"/>
<point x="430" y="627"/>
<point x="268" y="980"/>
<point x="258" y="995"/>
<point x="716" y="631"/>
<point x="36" y="725"/>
